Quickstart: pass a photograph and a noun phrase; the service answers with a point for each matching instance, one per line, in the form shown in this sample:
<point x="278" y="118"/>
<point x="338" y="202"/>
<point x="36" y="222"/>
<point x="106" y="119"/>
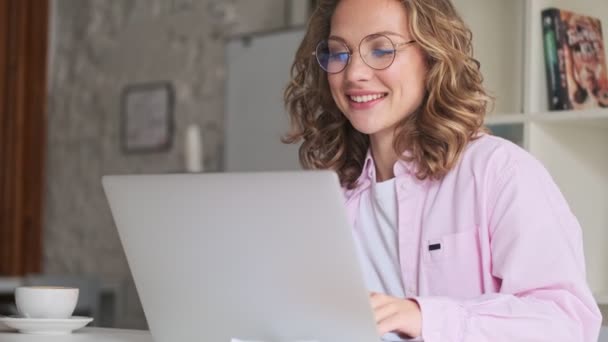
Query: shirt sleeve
<point x="537" y="257"/>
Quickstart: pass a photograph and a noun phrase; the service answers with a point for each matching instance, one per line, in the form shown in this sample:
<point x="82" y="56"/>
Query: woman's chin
<point x="367" y="122"/>
<point x="365" y="128"/>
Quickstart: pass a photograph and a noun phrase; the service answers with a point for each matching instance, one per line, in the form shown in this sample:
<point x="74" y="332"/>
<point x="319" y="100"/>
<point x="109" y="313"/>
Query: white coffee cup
<point x="46" y="301"/>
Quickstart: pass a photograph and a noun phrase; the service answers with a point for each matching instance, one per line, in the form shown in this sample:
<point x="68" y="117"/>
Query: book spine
<point x="562" y="41"/>
<point x="554" y="59"/>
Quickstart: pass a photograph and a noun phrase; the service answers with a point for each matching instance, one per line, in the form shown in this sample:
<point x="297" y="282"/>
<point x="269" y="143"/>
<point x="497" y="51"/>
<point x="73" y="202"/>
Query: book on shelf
<point x="575" y="60"/>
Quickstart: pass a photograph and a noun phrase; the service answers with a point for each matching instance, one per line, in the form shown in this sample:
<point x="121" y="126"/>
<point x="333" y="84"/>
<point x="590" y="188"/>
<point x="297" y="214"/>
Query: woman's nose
<point x="357" y="69"/>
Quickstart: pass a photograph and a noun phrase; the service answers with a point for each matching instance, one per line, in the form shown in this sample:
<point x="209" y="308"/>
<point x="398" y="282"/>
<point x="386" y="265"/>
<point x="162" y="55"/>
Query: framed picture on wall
<point x="147" y="117"/>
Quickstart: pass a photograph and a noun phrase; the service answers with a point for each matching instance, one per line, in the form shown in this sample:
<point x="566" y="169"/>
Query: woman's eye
<point x="341" y="56"/>
<point x="382" y="52"/>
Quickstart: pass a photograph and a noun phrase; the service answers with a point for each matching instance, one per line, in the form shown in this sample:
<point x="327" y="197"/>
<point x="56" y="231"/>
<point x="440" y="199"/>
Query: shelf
<point x="592" y="117"/>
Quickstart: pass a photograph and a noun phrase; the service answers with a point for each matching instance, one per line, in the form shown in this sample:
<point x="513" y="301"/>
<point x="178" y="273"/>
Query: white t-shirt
<point x="377" y="243"/>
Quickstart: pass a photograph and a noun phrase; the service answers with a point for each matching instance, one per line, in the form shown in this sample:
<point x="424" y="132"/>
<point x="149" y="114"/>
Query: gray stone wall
<point x="97" y="48"/>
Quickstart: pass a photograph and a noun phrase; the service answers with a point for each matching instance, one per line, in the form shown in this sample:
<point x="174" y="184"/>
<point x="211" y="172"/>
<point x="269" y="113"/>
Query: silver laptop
<point x="242" y="256"/>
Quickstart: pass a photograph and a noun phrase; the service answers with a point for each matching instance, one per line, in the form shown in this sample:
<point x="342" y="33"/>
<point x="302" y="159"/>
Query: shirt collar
<point x="401" y="167"/>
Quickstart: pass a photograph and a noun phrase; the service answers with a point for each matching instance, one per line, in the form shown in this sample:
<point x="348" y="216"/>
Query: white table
<point x="114" y="335"/>
<point x="82" y="335"/>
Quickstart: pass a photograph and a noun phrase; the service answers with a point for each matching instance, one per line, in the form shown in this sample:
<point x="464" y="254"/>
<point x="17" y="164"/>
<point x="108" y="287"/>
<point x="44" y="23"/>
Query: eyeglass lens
<point x="377" y="51"/>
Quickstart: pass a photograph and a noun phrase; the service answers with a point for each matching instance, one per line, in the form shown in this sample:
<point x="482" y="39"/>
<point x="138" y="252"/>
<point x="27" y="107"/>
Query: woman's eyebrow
<point x="389" y="33"/>
<point x="337" y="38"/>
<point x="386" y="33"/>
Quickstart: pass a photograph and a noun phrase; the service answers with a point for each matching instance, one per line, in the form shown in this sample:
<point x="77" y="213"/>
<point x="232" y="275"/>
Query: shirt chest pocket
<point x="452" y="265"/>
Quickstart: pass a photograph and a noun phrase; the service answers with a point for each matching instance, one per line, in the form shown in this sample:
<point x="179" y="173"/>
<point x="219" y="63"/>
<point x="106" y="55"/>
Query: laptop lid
<point x="250" y="256"/>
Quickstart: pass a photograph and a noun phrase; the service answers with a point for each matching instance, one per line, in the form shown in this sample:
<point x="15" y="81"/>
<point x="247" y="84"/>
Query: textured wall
<point x="99" y="47"/>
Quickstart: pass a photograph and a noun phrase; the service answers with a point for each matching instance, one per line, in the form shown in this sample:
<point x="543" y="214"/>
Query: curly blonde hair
<point x="451" y="114"/>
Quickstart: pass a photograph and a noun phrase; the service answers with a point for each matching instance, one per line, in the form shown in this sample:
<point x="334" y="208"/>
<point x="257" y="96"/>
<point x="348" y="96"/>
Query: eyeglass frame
<point x="396" y="46"/>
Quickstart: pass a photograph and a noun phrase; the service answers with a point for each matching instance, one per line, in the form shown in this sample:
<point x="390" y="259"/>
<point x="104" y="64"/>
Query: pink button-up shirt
<point x="491" y="252"/>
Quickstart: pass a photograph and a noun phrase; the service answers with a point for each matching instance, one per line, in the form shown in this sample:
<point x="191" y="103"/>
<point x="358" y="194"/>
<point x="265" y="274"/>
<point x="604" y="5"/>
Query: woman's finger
<point x="384" y="311"/>
<point x="379" y="299"/>
<point x="395" y="322"/>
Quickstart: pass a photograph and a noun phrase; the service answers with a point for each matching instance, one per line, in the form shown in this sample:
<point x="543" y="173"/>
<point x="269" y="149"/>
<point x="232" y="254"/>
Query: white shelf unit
<point x="571" y="144"/>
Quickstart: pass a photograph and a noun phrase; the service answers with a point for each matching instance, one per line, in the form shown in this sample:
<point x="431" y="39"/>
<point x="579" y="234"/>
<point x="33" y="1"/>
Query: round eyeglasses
<point x="377" y="51"/>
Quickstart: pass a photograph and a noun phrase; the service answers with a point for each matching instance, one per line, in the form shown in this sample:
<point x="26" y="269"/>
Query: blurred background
<point x="66" y="68"/>
<point x="96" y="87"/>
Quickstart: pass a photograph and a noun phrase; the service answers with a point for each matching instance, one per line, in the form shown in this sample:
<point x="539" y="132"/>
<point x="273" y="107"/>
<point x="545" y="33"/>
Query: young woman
<point x="462" y="236"/>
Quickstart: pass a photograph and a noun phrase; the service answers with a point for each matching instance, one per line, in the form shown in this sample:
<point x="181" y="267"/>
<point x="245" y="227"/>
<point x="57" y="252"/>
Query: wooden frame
<point x="23" y="51"/>
<point x="147" y="117"/>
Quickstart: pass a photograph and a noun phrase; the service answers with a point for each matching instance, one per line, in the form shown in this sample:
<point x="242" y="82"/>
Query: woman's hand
<point x="398" y="315"/>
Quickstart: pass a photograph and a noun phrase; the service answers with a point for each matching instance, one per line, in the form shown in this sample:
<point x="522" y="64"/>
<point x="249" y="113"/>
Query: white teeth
<point x="366" y="98"/>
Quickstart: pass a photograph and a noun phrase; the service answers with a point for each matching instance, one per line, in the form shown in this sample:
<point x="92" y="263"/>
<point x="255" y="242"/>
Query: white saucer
<point x="45" y="326"/>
